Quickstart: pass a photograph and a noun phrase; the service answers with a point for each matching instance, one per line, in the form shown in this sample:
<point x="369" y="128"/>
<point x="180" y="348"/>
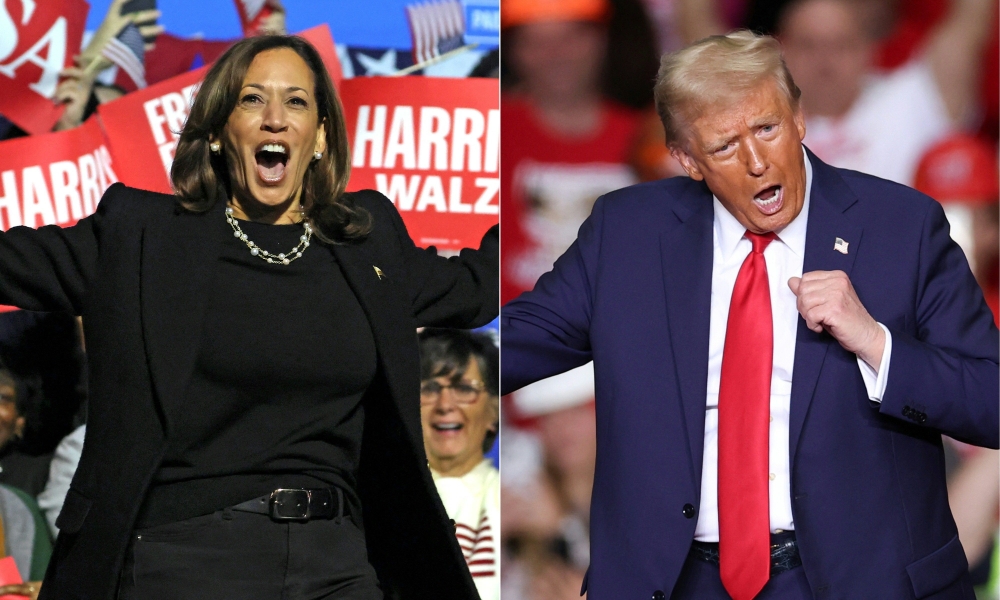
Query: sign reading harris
<point x="143" y="127"/>
<point x="37" y="40"/>
<point x="432" y="146"/>
<point x="54" y="178"/>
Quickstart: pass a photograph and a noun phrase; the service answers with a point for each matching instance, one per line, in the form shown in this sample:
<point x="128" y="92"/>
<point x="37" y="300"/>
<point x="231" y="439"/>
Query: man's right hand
<point x="827" y="301"/>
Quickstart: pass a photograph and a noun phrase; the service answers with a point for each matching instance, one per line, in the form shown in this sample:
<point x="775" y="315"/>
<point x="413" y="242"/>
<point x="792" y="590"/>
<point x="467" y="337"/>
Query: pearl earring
<point x="317" y="155"/>
<point x="215" y="147"/>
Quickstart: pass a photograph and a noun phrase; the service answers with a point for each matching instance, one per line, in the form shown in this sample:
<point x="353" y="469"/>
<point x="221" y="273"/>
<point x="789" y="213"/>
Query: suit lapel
<point x="178" y="260"/>
<point x="686" y="252"/>
<point x="827" y="221"/>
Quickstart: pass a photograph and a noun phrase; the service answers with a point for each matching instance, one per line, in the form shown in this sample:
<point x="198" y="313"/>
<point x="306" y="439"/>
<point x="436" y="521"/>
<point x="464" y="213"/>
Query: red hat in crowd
<point x="522" y="12"/>
<point x="960" y="168"/>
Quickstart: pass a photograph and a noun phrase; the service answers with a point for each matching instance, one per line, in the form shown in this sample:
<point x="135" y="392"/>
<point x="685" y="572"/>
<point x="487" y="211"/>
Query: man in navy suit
<point x="778" y="346"/>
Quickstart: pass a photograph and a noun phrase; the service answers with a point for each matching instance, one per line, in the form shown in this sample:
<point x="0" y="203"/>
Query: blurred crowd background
<point x="903" y="89"/>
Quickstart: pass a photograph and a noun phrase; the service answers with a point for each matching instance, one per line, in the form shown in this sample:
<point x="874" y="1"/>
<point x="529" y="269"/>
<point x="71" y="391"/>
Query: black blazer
<point x="137" y="271"/>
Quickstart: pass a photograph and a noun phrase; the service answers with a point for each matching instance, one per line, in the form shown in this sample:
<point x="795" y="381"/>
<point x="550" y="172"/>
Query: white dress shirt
<point x="784" y="260"/>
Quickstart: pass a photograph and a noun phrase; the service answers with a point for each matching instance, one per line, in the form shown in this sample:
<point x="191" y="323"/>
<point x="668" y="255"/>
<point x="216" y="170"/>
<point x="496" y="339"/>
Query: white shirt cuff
<point x="875" y="382"/>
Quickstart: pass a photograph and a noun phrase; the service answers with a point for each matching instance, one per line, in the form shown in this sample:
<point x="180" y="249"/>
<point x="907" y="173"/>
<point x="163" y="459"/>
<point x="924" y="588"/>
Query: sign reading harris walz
<point x="432" y="146"/>
<point x="482" y="22"/>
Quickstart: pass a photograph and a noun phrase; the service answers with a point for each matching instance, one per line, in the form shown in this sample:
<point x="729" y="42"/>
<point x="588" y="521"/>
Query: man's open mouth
<point x="271" y="159"/>
<point x="770" y="199"/>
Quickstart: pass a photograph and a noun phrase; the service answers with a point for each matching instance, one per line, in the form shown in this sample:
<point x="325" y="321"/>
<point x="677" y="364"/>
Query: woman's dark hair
<point x="448" y="352"/>
<point x="201" y="179"/>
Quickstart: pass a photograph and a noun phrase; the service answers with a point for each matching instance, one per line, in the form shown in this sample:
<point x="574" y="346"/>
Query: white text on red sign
<point x="166" y="116"/>
<point x="52" y="44"/>
<point x="68" y="192"/>
<point x="430" y="138"/>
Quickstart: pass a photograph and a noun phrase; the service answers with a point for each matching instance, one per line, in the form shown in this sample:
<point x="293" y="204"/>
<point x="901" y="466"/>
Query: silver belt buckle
<point x="290" y="504"/>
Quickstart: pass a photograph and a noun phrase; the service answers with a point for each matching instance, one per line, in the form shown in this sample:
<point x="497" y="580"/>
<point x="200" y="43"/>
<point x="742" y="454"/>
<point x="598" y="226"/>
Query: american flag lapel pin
<point x="840" y="246"/>
<point x="380" y="274"/>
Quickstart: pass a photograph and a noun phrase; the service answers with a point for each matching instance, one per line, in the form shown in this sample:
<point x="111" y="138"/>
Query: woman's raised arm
<point x="460" y="291"/>
<point x="50" y="268"/>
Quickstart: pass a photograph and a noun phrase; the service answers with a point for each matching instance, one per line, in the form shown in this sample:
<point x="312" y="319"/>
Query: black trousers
<point x="233" y="554"/>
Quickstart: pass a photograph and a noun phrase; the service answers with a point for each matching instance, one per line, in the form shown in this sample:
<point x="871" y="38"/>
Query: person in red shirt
<point x="564" y="142"/>
<point x="960" y="172"/>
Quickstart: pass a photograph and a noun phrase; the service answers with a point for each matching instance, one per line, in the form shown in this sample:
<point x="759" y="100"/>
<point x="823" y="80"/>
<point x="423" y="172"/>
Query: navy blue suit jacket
<point x="868" y="487"/>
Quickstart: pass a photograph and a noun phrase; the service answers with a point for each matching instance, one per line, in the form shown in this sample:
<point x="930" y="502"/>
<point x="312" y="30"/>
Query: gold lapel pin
<point x="378" y="272"/>
<point x="840" y="245"/>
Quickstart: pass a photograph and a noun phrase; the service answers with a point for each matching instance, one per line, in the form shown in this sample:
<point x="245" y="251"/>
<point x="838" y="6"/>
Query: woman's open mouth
<point x="271" y="158"/>
<point x="447" y="429"/>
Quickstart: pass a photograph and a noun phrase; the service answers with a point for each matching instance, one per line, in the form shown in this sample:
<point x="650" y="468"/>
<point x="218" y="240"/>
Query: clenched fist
<point x="827" y="300"/>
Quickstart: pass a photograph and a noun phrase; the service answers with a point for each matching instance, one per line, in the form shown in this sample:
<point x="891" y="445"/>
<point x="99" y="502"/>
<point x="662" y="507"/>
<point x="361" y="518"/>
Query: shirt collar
<point x="729" y="231"/>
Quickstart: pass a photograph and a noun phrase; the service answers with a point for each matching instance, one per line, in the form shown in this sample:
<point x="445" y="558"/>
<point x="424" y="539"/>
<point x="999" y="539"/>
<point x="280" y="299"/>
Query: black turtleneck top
<point x="286" y="354"/>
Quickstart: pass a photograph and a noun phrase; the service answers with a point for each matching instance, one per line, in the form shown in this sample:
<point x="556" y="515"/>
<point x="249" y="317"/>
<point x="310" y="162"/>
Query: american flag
<point x="478" y="547"/>
<point x="127" y="50"/>
<point x="436" y="27"/>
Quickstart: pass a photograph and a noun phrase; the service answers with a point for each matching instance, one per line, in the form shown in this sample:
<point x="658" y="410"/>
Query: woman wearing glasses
<point x="459" y="409"/>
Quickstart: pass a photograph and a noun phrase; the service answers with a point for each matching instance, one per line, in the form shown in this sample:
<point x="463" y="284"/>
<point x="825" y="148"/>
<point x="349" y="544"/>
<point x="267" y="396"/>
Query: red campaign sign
<point x="322" y="39"/>
<point x="37" y="40"/>
<point x="54" y="178"/>
<point x="9" y="575"/>
<point x="432" y="146"/>
<point x="143" y="126"/>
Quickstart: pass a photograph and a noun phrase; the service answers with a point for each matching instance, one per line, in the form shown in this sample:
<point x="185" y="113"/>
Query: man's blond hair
<point x="717" y="69"/>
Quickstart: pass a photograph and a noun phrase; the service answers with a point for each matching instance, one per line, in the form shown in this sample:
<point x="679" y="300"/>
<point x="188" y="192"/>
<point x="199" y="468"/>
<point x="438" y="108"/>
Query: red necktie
<point x="744" y="408"/>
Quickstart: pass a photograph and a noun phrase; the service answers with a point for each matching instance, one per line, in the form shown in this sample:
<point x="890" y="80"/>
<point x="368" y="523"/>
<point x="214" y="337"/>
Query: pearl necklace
<point x="274" y="259"/>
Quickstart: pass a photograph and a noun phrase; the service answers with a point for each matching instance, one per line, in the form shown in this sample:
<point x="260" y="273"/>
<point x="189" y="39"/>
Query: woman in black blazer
<point x="254" y="373"/>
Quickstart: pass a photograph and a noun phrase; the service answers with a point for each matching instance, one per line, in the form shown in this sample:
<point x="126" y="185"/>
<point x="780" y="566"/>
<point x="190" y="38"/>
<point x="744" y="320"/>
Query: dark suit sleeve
<point x="460" y="291"/>
<point x="546" y="331"/>
<point x="49" y="268"/>
<point x="946" y="376"/>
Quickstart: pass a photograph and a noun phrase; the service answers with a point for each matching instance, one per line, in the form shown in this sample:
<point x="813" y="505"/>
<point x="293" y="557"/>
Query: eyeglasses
<point x="462" y="392"/>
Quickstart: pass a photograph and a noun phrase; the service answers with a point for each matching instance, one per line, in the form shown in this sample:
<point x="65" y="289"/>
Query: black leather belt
<point x="298" y="504"/>
<point x="784" y="552"/>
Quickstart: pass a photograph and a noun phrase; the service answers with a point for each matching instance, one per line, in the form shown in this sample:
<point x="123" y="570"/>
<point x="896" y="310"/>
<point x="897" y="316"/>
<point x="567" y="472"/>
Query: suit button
<point x="688" y="512"/>
<point x="658" y="595"/>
